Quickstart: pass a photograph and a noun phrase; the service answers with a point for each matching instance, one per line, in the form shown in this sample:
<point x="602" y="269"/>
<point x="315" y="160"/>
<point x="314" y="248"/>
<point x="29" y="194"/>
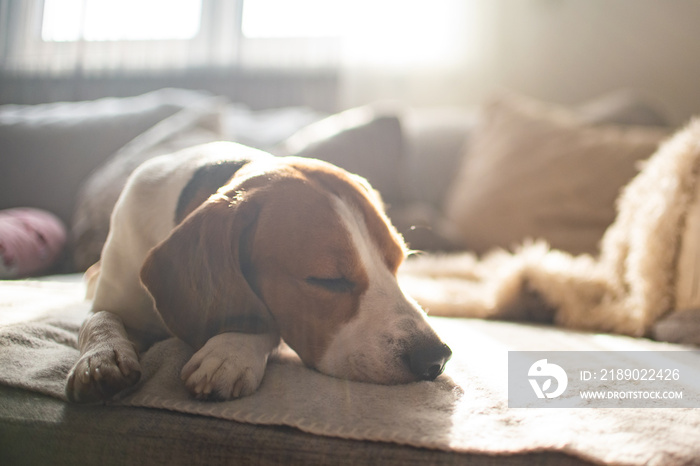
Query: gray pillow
<point x="48" y="149"/>
<point x="363" y="140"/>
<point x="100" y="191"/>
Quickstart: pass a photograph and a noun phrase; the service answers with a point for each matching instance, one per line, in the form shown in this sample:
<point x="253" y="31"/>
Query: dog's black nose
<point x="428" y="361"/>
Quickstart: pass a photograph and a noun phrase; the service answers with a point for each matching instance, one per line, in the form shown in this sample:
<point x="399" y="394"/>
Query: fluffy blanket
<point x="646" y="269"/>
<point x="464" y="410"/>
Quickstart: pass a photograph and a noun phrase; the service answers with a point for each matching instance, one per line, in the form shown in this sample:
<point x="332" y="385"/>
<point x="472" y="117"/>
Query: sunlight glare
<point x="388" y="32"/>
<point x="114" y="20"/>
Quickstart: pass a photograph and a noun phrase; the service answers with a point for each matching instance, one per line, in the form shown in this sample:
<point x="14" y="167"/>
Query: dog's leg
<point x="679" y="327"/>
<point x="229" y="365"/>
<point x="108" y="360"/>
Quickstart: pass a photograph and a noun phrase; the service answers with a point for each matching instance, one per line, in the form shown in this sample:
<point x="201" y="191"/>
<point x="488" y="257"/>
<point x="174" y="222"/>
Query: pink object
<point x="30" y="241"/>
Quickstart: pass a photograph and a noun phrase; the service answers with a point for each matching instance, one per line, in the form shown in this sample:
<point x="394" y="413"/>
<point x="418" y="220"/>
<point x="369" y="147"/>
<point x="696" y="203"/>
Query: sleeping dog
<point x="233" y="250"/>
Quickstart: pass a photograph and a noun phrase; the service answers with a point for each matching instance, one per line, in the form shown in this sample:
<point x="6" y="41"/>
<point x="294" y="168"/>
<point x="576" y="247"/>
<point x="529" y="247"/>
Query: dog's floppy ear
<point x="195" y="275"/>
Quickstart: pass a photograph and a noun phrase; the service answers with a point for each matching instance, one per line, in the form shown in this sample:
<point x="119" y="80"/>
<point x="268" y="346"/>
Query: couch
<point x="448" y="176"/>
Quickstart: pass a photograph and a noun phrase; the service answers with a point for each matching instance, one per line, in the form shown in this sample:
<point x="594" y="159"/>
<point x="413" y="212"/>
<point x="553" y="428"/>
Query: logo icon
<point x="542" y="370"/>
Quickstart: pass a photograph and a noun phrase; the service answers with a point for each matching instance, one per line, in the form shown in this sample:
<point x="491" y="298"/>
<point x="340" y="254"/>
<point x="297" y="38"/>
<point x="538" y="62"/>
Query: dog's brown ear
<point x="195" y="275"/>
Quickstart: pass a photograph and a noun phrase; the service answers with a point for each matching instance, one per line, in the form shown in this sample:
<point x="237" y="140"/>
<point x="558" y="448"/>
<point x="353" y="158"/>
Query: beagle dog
<point x="233" y="250"/>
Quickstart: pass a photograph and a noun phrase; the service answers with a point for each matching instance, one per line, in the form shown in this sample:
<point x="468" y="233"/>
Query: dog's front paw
<point x="103" y="372"/>
<point x="229" y="365"/>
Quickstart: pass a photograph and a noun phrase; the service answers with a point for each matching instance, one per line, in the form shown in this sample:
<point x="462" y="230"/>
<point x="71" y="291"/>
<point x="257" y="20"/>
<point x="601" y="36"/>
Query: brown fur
<point x="186" y="281"/>
<point x="250" y="270"/>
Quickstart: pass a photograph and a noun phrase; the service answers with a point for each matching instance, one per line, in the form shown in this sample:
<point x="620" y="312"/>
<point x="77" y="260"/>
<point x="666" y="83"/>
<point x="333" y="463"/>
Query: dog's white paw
<point x="103" y="372"/>
<point x="229" y="365"/>
<point x="108" y="361"/>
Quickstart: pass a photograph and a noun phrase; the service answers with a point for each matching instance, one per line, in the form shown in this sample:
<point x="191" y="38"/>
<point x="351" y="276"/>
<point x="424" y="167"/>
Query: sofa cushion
<point x="364" y="140"/>
<point x="100" y="191"/>
<point x="433" y="141"/>
<point x="48" y="149"/>
<point x="536" y="170"/>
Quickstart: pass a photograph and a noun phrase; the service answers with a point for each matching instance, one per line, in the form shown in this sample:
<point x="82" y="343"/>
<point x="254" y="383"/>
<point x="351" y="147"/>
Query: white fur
<point x="369" y="347"/>
<point x="106" y="356"/>
<point x="143" y="216"/>
<point x="229" y="365"/>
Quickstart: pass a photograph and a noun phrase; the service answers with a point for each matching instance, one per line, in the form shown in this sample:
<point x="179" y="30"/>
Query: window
<point x="120" y="20"/>
<point x="105" y="36"/>
<point x="377" y="33"/>
<point x="62" y="37"/>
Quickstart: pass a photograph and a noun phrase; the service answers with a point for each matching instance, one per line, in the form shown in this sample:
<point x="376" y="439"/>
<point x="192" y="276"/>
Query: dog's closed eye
<point x="335" y="285"/>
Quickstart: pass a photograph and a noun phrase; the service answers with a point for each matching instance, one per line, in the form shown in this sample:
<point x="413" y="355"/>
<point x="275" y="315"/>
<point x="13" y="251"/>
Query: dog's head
<point x="302" y="248"/>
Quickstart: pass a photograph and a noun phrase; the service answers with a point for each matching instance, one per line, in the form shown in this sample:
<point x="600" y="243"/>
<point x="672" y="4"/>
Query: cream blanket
<point x="465" y="410"/>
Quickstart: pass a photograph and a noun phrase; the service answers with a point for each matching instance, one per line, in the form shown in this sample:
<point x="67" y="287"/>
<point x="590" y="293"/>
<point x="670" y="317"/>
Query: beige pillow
<point x="535" y="170"/>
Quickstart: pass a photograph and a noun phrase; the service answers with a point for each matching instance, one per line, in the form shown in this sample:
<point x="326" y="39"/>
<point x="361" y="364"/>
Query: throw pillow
<point x="100" y="191"/>
<point x="365" y="140"/>
<point x="48" y="149"/>
<point x="536" y="170"/>
<point x="31" y="240"/>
